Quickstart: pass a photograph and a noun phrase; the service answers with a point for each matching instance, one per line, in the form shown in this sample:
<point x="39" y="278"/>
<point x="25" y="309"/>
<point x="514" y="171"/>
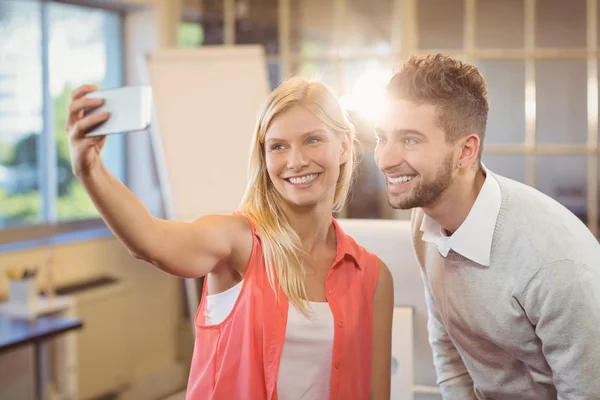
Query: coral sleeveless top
<point x="239" y="357"/>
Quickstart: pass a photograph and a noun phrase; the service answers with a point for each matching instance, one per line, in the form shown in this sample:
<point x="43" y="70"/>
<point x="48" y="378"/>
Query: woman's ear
<point x="345" y="148"/>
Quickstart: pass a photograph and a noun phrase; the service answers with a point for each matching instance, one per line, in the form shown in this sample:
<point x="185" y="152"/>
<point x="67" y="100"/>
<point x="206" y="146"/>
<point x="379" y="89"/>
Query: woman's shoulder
<point x="362" y="256"/>
<point x="372" y="268"/>
<point x="245" y="222"/>
<point x="366" y="260"/>
<point x="235" y="224"/>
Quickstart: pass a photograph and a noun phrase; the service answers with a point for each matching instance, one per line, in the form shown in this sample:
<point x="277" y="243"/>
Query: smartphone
<point x="129" y="108"/>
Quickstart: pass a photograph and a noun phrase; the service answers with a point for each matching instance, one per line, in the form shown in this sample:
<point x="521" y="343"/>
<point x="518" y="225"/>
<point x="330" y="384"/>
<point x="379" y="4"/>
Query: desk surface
<point x="15" y="332"/>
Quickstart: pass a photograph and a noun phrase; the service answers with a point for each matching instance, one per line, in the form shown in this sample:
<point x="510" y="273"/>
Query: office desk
<point x="16" y="332"/>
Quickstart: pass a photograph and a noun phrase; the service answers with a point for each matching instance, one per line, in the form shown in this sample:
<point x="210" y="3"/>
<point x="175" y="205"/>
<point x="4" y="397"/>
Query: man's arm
<point x="452" y="375"/>
<point x="563" y="302"/>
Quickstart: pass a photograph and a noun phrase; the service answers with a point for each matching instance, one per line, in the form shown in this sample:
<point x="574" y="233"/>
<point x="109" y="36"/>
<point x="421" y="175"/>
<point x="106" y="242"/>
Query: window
<point x="539" y="63"/>
<point x="48" y="49"/>
<point x="201" y="26"/>
<point x="538" y="57"/>
<point x="190" y="34"/>
<point x="21" y="121"/>
<point x="84" y="47"/>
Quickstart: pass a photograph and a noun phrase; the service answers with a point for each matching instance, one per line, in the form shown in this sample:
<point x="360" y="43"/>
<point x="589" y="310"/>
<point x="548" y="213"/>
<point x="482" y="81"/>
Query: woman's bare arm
<point x="186" y="249"/>
<point x="383" y="309"/>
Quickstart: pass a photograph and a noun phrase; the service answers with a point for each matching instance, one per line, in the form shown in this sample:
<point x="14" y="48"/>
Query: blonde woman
<point x="293" y="308"/>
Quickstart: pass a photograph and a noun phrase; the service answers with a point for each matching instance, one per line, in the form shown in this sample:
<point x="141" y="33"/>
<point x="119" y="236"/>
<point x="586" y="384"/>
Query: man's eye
<point x="410" y="142"/>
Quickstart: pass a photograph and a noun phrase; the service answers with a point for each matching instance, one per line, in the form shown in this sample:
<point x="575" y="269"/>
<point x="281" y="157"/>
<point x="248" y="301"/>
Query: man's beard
<point x="426" y="193"/>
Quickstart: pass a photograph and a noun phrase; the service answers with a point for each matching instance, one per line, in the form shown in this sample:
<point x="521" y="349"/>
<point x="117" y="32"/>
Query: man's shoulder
<point x="532" y="222"/>
<point x="510" y="186"/>
<point x="529" y="205"/>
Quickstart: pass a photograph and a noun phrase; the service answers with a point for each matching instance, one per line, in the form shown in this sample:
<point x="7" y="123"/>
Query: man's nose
<point x="388" y="156"/>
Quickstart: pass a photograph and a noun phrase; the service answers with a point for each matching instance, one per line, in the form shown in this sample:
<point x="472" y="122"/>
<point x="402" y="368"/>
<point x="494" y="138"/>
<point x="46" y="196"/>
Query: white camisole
<point x="305" y="365"/>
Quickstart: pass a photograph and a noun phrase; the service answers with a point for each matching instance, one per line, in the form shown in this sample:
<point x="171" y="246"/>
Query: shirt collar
<point x="473" y="239"/>
<point x="345" y="245"/>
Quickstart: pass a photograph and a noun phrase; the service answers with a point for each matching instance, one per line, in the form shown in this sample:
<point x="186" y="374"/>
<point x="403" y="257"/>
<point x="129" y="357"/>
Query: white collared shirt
<point x="473" y="239"/>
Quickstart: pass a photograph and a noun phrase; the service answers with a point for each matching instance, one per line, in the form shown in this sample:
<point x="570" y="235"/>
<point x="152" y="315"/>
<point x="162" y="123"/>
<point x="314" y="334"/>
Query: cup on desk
<point x="22" y="289"/>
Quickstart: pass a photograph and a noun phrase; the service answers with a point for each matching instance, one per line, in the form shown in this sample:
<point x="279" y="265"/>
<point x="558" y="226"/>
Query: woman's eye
<point x="277" y="147"/>
<point x="313" y="140"/>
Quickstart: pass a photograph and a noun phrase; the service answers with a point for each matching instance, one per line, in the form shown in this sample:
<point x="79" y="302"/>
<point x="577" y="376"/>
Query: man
<point x="512" y="277"/>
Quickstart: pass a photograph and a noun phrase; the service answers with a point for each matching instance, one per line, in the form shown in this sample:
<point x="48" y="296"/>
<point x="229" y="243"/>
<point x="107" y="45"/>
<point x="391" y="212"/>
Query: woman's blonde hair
<point x="283" y="253"/>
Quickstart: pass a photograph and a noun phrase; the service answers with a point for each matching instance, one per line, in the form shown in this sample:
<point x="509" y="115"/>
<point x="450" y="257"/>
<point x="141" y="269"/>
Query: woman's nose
<point x="297" y="159"/>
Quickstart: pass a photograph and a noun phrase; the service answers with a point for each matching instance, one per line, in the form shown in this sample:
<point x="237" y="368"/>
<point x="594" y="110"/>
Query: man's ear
<point x="346" y="143"/>
<point x="469" y="151"/>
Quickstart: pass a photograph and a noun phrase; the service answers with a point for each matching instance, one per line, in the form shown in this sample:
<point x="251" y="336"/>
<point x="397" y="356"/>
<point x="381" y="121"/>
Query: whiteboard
<point x="206" y="102"/>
